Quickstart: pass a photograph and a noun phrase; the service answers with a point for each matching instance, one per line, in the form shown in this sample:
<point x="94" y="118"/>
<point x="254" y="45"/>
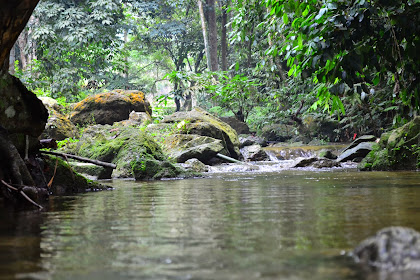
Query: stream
<point x="287" y="224"/>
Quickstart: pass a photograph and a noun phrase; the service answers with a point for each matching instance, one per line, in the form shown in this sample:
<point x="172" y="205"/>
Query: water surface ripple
<point x="293" y="224"/>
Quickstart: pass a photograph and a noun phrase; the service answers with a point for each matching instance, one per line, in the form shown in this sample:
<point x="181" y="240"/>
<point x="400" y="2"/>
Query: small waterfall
<point x="290" y="153"/>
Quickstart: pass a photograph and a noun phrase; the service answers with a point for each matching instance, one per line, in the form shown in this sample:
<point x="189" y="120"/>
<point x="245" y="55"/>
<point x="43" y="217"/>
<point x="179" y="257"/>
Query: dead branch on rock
<point x="19" y="190"/>
<point x="83" y="159"/>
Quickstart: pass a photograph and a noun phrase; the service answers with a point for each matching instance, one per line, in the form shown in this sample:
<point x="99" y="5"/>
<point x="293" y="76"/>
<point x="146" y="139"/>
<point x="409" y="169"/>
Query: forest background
<point x="354" y="63"/>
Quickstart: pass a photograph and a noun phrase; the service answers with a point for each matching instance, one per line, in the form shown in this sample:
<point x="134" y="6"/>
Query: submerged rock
<point x="392" y="248"/>
<point x="398" y="149"/>
<point x="304" y="162"/>
<point x="316" y="162"/>
<point x="109" y="107"/>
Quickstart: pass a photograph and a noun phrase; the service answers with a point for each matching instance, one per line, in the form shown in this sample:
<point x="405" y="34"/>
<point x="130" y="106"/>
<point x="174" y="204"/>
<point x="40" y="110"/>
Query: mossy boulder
<point x="135" y="153"/>
<point x="65" y="180"/>
<point x="200" y="122"/>
<point x="109" y="107"/>
<point x="59" y="127"/>
<point x="182" y="147"/>
<point x="398" y="149"/>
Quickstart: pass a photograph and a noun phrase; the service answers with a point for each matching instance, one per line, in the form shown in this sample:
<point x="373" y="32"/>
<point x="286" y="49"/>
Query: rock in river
<point x="392" y="248"/>
<point x="200" y="122"/>
<point x="360" y="151"/>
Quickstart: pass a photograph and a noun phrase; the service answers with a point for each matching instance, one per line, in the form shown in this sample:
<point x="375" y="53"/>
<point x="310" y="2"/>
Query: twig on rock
<point x="22" y="193"/>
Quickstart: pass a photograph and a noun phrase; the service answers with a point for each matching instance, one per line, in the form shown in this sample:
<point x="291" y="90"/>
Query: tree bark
<point x="212" y="28"/>
<point x="22" y="43"/>
<point x="12" y="58"/>
<point x="13" y="17"/>
<point x="204" y="30"/>
<point x="223" y="39"/>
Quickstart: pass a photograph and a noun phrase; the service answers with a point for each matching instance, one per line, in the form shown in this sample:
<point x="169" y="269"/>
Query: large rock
<point x="200" y="122"/>
<point x="360" y="151"/>
<point x="182" y="147"/>
<point x="398" y="149"/>
<point x="134" y="152"/>
<point x="361" y="139"/>
<point x="58" y="127"/>
<point x="239" y="126"/>
<point x="20" y="110"/>
<point x="393" y="248"/>
<point x="110" y="107"/>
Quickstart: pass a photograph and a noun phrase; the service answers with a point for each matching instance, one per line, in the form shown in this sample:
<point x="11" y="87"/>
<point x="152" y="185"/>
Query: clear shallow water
<point x="292" y="224"/>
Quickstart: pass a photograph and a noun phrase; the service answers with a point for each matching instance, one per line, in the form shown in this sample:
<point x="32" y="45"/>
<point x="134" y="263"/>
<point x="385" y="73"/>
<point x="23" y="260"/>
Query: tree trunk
<point x="24" y="112"/>
<point x="12" y="58"/>
<point x="212" y="25"/>
<point x="22" y="43"/>
<point x="223" y="39"/>
<point x="13" y="17"/>
<point x="204" y="30"/>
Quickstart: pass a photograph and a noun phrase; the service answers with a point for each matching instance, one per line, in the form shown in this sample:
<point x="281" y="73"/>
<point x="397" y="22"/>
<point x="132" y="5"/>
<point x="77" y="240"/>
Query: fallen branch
<point x="97" y="162"/>
<point x="228" y="158"/>
<point x="22" y="193"/>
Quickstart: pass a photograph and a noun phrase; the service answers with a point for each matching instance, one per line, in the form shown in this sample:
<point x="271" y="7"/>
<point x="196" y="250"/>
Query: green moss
<point x="66" y="181"/>
<point x="135" y="153"/>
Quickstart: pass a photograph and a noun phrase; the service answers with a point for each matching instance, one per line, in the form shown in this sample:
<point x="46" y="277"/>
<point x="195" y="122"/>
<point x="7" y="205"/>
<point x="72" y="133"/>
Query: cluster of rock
<point x="398" y="149"/>
<point x="118" y="128"/>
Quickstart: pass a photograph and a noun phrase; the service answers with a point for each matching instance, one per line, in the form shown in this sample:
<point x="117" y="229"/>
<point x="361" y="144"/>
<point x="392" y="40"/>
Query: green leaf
<point x="285" y="19"/>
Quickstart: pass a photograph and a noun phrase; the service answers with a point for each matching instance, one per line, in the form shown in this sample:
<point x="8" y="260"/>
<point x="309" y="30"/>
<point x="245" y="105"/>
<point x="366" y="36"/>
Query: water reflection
<point x="287" y="225"/>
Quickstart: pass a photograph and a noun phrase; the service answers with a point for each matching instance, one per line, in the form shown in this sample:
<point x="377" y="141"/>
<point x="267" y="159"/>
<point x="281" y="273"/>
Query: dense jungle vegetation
<point x="264" y="61"/>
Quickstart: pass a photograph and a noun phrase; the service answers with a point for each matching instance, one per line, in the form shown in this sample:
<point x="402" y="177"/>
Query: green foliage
<point x="66" y="142"/>
<point x="348" y="42"/>
<point x="75" y="41"/>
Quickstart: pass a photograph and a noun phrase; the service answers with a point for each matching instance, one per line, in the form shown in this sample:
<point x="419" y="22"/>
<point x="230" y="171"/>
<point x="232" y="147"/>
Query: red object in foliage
<point x="354" y="136"/>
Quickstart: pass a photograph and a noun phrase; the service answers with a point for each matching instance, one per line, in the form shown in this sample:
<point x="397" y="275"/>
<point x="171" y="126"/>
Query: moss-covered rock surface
<point x="200" y="122"/>
<point x="64" y="179"/>
<point x="135" y="153"/>
<point x="398" y="149"/>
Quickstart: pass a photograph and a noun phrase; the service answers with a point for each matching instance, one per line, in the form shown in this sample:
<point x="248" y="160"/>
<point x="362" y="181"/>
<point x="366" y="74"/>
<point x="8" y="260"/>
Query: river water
<point x="289" y="224"/>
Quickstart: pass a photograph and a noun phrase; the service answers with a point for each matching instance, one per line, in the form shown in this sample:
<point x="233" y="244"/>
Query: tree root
<point x="20" y="190"/>
<point x="15" y="176"/>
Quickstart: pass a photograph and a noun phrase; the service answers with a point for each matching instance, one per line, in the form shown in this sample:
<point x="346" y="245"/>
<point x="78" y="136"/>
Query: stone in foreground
<point x="392" y="248"/>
